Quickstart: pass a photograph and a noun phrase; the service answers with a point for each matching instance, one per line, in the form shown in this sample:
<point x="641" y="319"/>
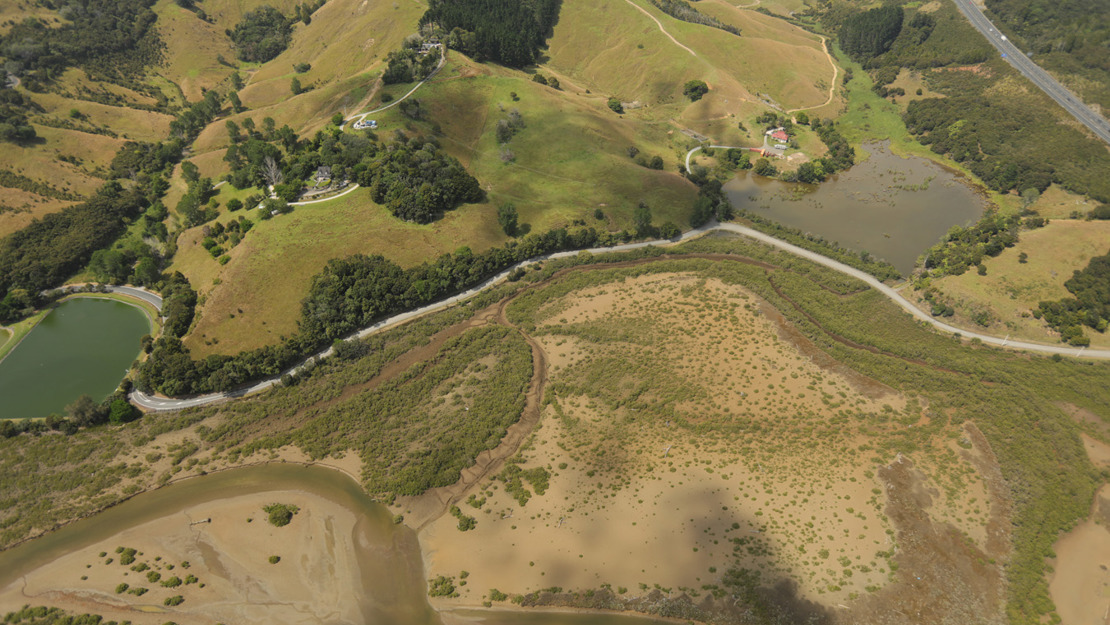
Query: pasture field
<point x="1058" y="203"/>
<point x="258" y="295"/>
<point x="193" y="47"/>
<point x="614" y="49"/>
<point x="58" y="183"/>
<point x="1011" y="290"/>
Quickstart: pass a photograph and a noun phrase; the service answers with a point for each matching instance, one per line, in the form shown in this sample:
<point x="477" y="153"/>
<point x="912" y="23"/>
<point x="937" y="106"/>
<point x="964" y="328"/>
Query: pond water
<point x="84" y="346"/>
<point x="894" y="208"/>
<point x="389" y="558"/>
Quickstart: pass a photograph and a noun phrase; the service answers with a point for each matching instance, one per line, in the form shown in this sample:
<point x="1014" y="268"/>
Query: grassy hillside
<point x="612" y="47"/>
<point x="570" y="159"/>
<point x="192" y="49"/>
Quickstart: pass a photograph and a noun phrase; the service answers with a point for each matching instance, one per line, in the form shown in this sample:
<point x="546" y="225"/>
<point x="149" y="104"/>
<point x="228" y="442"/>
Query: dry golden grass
<point x="192" y="46"/>
<point x="613" y="49"/>
<point x="346" y="38"/>
<point x="13" y="11"/>
<point x="39" y="160"/>
<point x="911" y="81"/>
<point x="1057" y="203"/>
<point x="27" y="206"/>
<point x="1011" y="290"/>
<point x="128" y="123"/>
<point x="228" y="13"/>
<point x="74" y="82"/>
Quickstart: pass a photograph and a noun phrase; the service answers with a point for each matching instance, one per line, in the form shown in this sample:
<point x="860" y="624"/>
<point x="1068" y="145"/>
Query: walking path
<point x="153" y="403"/>
<point x="661" y="29"/>
<point x="832" y="86"/>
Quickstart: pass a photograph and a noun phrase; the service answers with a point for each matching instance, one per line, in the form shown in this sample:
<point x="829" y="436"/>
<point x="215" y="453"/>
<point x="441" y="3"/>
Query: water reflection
<point x="892" y="207"/>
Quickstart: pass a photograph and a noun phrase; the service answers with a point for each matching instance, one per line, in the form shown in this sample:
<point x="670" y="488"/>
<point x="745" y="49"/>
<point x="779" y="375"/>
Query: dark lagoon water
<point x="389" y="558"/>
<point x="893" y="207"/>
<point x="84" y="346"/>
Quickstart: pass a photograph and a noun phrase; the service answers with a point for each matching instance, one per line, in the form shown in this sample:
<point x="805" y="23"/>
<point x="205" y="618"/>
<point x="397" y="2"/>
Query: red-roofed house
<point x="780" y="135"/>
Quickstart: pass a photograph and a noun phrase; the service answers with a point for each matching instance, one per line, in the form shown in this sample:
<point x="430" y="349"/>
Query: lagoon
<point x="891" y="207"/>
<point x="84" y="346"/>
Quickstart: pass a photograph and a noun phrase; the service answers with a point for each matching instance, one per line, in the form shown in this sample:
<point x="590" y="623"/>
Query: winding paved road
<point x="153" y="403"/>
<point x="137" y="292"/>
<point x="1046" y="83"/>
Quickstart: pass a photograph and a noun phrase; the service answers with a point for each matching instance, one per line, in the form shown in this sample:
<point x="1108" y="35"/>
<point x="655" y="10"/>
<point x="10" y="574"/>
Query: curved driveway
<point x="153" y="403"/>
<point x="357" y="117"/>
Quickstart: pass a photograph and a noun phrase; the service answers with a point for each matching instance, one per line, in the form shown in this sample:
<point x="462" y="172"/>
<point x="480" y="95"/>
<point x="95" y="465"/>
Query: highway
<point x="157" y="404"/>
<point x="1034" y="73"/>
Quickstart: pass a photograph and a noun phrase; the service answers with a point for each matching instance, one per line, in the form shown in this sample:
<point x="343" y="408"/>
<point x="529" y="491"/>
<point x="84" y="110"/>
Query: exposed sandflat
<point x="317" y="579"/>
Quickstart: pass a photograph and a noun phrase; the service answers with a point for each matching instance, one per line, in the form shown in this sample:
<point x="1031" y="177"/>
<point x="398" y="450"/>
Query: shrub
<point x="281" y="514"/>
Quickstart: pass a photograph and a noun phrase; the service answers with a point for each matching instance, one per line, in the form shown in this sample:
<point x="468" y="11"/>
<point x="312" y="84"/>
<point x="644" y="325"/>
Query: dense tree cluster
<point x="868" y="34"/>
<point x="42" y="615"/>
<point x="416" y="181"/>
<point x="179" y="302"/>
<point x="1089" y="305"/>
<point x="104" y="36"/>
<point x="681" y="10"/>
<point x="262" y="34"/>
<point x="133" y="264"/>
<point x="14" y="107"/>
<point x="509" y="32"/>
<point x="411" y="177"/>
<point x="964" y="247"/>
<point x="1009" y="145"/>
<point x="408" y="65"/>
<point x="414" y="61"/>
<point x="51" y="249"/>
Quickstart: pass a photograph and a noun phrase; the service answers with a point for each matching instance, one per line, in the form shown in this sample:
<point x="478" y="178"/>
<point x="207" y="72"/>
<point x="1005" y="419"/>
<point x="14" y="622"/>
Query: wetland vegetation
<point x="475" y="387"/>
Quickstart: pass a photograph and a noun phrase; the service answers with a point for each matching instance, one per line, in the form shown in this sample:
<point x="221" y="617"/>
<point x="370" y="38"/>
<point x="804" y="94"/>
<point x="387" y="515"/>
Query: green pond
<point x="83" y="347"/>
<point x="389" y="559"/>
<point x="891" y="207"/>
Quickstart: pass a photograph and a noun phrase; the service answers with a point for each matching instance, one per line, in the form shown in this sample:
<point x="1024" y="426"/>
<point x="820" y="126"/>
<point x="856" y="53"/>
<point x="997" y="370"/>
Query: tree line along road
<point x="156" y="404"/>
<point x="1045" y="82"/>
